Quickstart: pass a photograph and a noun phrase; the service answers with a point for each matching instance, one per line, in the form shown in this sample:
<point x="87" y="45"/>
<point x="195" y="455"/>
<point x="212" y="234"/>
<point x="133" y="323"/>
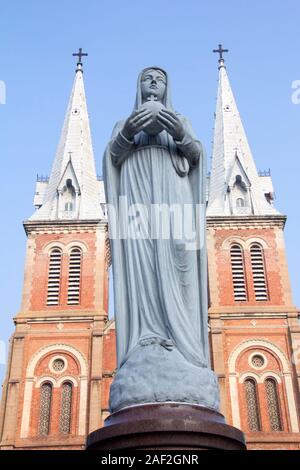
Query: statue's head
<point x="153" y="83"/>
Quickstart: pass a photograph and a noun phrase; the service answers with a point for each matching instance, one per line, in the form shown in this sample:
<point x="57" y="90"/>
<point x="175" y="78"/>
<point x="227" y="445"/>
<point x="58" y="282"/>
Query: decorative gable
<point x="238" y="189"/>
<point x="68" y="194"/>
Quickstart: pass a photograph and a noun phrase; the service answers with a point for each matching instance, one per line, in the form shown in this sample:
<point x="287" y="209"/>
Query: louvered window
<point x="66" y="408"/>
<point x="45" y="409"/>
<point x="74" y="277"/>
<point x="273" y="405"/>
<point x="238" y="273"/>
<point x="252" y="405"/>
<point x="54" y="277"/>
<point x="258" y="272"/>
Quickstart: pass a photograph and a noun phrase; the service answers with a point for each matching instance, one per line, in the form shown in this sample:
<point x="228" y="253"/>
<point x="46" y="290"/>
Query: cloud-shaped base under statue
<point x="156" y="372"/>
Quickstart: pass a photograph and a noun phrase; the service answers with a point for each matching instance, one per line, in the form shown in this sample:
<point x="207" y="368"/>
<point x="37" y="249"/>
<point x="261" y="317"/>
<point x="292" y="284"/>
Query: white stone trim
<point x="56" y="244"/>
<point x="76" y="244"/>
<point x="257" y="343"/>
<point x="66" y="248"/>
<point x="257" y="353"/>
<point x="253" y="240"/>
<point x="245" y="243"/>
<point x="56" y="382"/>
<point x="55" y="347"/>
<point x="272" y="375"/>
<point x="110" y="325"/>
<point x="291" y="403"/>
<point x="67" y="378"/>
<point x="235" y="410"/>
<point x="83" y="384"/>
<point x="26" y="409"/>
<point x="44" y="379"/>
<point x="83" y="406"/>
<point x="228" y="242"/>
<point x="288" y="383"/>
<point x="250" y="375"/>
<point x="54" y="359"/>
<point x="260" y="378"/>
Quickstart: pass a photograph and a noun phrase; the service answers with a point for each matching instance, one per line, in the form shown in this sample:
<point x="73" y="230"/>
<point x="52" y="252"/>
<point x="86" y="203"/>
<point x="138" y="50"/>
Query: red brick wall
<point x="252" y="321"/>
<point x="41" y="329"/>
<point x="224" y="274"/>
<point x="41" y="267"/>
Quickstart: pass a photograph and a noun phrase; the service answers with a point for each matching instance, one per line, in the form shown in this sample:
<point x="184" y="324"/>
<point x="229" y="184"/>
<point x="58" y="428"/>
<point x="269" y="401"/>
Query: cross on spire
<point x="79" y="54"/>
<point x="220" y="51"/>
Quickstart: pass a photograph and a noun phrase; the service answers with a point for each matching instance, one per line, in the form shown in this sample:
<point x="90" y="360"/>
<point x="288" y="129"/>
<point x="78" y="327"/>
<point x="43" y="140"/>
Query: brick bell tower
<point x="62" y="354"/>
<point x="52" y="392"/>
<point x="255" y="331"/>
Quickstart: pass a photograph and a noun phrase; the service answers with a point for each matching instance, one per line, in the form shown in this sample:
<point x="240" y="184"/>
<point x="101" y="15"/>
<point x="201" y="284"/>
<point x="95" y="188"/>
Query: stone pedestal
<point x="166" y="426"/>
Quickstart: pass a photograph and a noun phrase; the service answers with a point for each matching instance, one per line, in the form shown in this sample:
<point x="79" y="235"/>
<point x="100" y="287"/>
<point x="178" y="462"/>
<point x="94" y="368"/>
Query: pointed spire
<point x="73" y="189"/>
<point x="235" y="185"/>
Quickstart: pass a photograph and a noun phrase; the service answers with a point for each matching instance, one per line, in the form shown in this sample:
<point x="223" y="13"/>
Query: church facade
<point x="62" y="356"/>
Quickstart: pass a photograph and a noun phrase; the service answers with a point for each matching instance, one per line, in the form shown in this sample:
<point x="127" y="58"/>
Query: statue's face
<point x="153" y="83"/>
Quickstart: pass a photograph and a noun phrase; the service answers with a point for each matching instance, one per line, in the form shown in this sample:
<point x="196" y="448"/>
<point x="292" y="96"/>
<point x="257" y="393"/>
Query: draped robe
<point x="160" y="285"/>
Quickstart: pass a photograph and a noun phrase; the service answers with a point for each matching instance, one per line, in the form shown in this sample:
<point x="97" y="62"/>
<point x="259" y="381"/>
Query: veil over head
<point x="167" y="101"/>
<point x="197" y="182"/>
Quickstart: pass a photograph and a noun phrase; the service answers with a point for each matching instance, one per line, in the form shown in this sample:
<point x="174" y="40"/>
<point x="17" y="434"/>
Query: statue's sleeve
<point x="119" y="145"/>
<point x="189" y="146"/>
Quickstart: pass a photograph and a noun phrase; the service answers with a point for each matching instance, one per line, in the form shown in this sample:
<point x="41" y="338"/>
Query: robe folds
<point x="160" y="271"/>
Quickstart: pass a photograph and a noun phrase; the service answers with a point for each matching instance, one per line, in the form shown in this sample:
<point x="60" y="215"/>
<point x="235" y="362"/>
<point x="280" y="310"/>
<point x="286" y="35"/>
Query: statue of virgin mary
<point x="154" y="163"/>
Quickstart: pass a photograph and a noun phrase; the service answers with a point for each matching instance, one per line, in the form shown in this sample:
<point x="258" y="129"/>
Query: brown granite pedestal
<point x="166" y="426"/>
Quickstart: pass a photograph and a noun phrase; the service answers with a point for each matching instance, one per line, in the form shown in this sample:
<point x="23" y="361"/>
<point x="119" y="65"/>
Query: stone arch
<point x="66" y="248"/>
<point x="30" y="379"/>
<point x="258" y="343"/>
<point x="260" y="241"/>
<point x="287" y="379"/>
<point x="245" y="243"/>
<point x="67" y="378"/>
<point x="270" y="374"/>
<point x="249" y="375"/>
<point x="232" y="240"/>
<point x="260" y="378"/>
<point x="46" y="379"/>
<point x="57" y="347"/>
<point x="54" y="244"/>
<point x="76" y="244"/>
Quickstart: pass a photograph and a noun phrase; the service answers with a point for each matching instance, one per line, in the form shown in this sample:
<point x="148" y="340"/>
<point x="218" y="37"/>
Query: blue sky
<point x="122" y="37"/>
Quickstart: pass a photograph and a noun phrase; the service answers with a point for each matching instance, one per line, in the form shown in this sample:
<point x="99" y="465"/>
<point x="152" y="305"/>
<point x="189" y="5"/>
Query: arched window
<point x="74" y="276"/>
<point x="69" y="206"/>
<point x="258" y="272"/>
<point x="54" y="277"/>
<point x="238" y="273"/>
<point x="273" y="404"/>
<point x="45" y="409"/>
<point x="252" y="405"/>
<point x="69" y="196"/>
<point x="240" y="202"/>
<point x="66" y="408"/>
